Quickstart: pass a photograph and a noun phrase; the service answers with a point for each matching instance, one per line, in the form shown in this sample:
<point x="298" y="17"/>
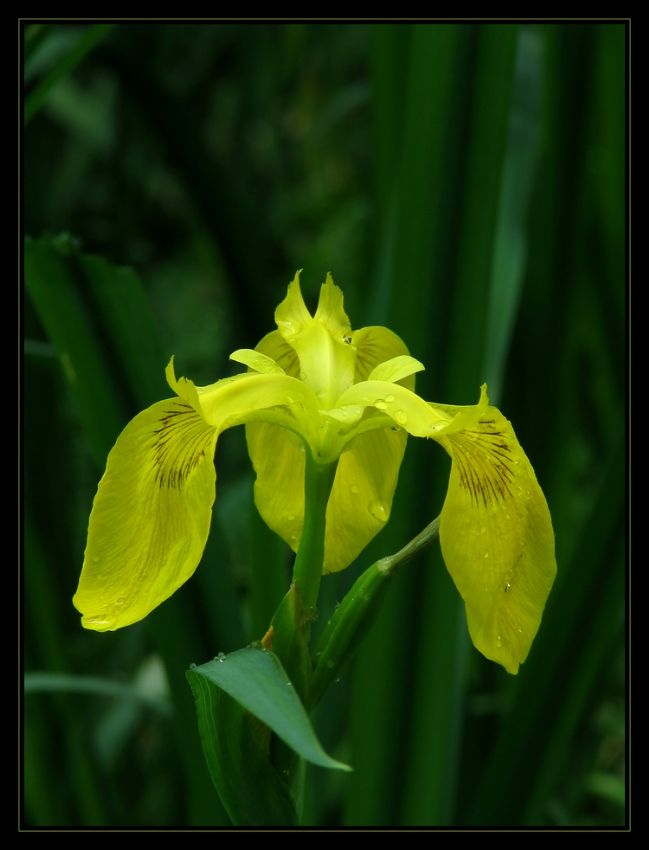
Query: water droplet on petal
<point x="401" y="417"/>
<point x="380" y="404"/>
<point x="220" y="657"/>
<point x="499" y="641"/>
<point x="507" y="586"/>
<point x="378" y="510"/>
<point x="290" y="399"/>
<point x="353" y="489"/>
<point x="120" y="601"/>
<point x="389" y="399"/>
<point x="486" y="554"/>
<point x="95" y="560"/>
<point x="291" y="518"/>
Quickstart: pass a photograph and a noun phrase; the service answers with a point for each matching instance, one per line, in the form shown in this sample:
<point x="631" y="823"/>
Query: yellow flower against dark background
<point x="347" y="397"/>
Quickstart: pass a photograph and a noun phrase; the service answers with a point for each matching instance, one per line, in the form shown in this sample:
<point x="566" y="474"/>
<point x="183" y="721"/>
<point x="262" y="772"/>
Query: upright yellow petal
<point x="331" y="311"/>
<point x="496" y="534"/>
<point x="322" y="342"/>
<point x="151" y="516"/>
<point x="292" y="315"/>
<point x="375" y="345"/>
<point x="274" y="345"/>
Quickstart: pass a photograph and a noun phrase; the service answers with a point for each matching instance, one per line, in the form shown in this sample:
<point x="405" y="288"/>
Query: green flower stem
<point x="356" y="612"/>
<point x="291" y="625"/>
<point x="307" y="570"/>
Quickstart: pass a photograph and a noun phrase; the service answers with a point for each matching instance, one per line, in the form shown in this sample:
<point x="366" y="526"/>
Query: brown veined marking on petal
<point x="483" y="462"/>
<point x="179" y="445"/>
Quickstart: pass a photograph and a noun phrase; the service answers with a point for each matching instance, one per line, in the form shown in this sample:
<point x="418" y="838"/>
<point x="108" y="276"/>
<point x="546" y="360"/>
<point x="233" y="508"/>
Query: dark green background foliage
<point x="465" y="184"/>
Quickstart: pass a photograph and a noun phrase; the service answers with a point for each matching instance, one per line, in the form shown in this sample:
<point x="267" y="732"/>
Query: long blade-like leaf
<point x="256" y="679"/>
<point x="251" y="790"/>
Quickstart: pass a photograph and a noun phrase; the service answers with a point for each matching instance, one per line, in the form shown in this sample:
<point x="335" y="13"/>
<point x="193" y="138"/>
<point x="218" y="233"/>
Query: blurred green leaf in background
<point x="465" y="184"/>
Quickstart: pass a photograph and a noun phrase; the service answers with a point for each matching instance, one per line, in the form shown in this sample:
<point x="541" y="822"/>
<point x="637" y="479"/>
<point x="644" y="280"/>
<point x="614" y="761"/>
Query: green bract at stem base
<point x="356" y="612"/>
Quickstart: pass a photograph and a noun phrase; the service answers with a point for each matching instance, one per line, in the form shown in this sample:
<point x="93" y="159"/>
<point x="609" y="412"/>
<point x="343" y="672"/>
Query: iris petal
<point x="256" y="361"/>
<point x="496" y="535"/>
<point x="374" y="345"/>
<point x="278" y="460"/>
<point x="151" y="516"/>
<point x="322" y="342"/>
<point x="407" y="409"/>
<point x="360" y="501"/>
<point x="396" y="369"/>
<point x="361" y="498"/>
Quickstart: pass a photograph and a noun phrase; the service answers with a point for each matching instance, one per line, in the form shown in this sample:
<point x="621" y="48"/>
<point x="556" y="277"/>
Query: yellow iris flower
<point x="314" y="385"/>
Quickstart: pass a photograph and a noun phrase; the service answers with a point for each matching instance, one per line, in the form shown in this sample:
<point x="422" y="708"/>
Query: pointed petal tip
<point x="170" y="373"/>
<point x="292" y="314"/>
<point x="331" y="309"/>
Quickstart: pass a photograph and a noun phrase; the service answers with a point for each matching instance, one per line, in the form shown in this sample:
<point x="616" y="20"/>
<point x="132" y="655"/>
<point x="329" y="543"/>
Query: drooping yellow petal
<point x="278" y="460"/>
<point x="360" y="501"/>
<point x="151" y="516"/>
<point x="361" y="498"/>
<point x="496" y="535"/>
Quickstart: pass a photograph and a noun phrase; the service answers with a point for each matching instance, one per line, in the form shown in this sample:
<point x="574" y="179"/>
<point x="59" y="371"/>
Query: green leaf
<point x="252" y="792"/>
<point x="255" y="678"/>
<point x="61" y="302"/>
